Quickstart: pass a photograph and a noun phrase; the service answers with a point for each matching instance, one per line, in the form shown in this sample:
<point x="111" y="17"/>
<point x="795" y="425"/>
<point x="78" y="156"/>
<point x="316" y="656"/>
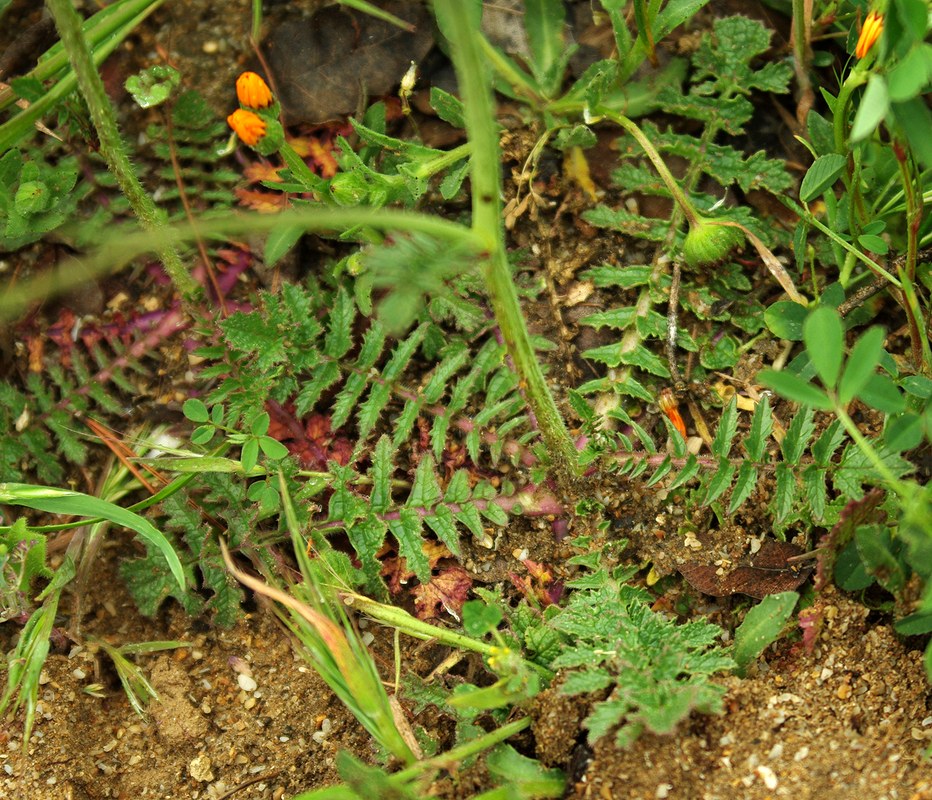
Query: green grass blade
<point x="63" y="501"/>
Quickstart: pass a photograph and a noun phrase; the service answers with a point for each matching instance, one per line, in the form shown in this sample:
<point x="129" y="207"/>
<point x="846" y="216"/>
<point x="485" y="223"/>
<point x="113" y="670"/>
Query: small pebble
<point x="200" y="769"/>
<point x="766" y="774"/>
<point x="246" y="682"/>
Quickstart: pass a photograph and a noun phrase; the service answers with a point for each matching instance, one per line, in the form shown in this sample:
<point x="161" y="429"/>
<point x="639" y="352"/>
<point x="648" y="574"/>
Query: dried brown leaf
<point x="767" y="571"/>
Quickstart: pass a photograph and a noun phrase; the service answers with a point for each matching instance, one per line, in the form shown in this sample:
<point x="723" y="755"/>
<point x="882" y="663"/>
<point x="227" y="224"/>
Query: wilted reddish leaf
<point x="539" y="584"/>
<point x="395" y="569"/>
<point x="263" y="202"/>
<point x="259" y="171"/>
<point x="449" y="590"/>
<point x="767" y="571"/>
<point x="810" y="621"/>
<point x="320" y="153"/>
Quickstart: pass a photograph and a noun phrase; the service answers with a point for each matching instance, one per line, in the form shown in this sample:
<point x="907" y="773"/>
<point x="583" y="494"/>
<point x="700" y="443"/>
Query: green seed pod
<point x="709" y="242"/>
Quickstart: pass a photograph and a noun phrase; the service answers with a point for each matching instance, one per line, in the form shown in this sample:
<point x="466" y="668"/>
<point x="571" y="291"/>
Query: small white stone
<point x="767" y="775"/>
<point x="246" y="682"/>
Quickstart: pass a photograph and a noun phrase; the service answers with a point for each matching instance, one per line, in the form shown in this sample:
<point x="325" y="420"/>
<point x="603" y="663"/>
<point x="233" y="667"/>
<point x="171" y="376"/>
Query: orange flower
<point x="870" y="33"/>
<point x="249" y="126"/>
<point x="252" y="91"/>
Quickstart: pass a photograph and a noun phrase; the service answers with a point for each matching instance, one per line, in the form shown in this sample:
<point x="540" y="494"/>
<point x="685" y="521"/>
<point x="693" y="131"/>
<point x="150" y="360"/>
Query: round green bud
<point x="709" y="242"/>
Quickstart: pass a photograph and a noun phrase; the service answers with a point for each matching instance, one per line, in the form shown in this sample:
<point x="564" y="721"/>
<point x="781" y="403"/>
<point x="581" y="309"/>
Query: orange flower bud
<point x="667" y="403"/>
<point x="252" y="91"/>
<point x="249" y="126"/>
<point x="870" y="33"/>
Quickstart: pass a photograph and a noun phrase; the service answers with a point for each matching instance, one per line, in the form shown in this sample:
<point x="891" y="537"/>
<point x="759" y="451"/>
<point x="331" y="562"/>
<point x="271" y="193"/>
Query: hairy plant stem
<point x="473" y="76"/>
<point x="679" y="196"/>
<point x="111" y="144"/>
<point x="117" y="249"/>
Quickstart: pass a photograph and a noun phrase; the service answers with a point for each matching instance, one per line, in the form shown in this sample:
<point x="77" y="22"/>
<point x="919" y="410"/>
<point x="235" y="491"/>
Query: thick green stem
<point x="474" y="81"/>
<point x="401" y="620"/>
<point x="802" y="56"/>
<point x="452" y="757"/>
<point x="857" y="77"/>
<point x="111" y="144"/>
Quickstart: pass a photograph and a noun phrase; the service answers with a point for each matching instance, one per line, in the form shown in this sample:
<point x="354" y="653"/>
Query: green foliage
<point x="894" y="96"/>
<point x="62" y="501"/>
<point x="36" y="197"/>
<point x="26" y="659"/>
<point x="657" y="672"/>
<point x="762" y="626"/>
<point x="193" y="140"/>
<point x="195" y="540"/>
<point x="385" y="170"/>
<point x="367" y="517"/>
<point x="863" y="548"/>
<point x="53" y="80"/>
<point x="38" y="426"/>
<point x="303" y="346"/>
<point x="653" y="23"/>
<point x="22" y="560"/>
<point x="138" y="690"/>
<point x="717" y="97"/>
<point x="153" y="86"/>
